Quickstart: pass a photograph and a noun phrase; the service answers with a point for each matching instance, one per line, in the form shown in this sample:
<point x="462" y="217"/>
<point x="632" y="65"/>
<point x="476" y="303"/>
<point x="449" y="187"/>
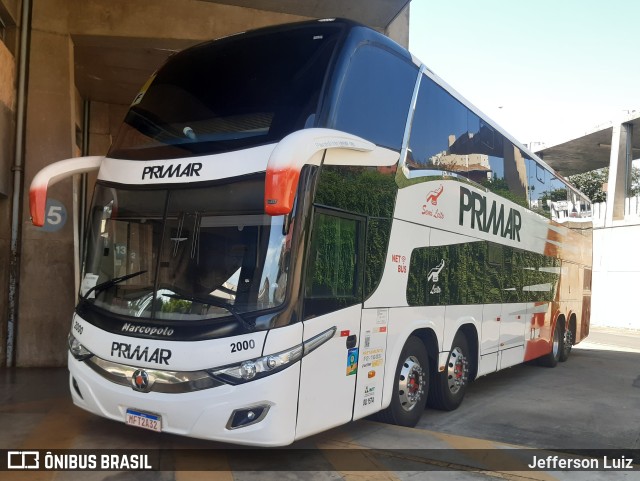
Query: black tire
<point x="551" y="359"/>
<point x="449" y="387"/>
<point x="567" y="344"/>
<point x="407" y="405"/>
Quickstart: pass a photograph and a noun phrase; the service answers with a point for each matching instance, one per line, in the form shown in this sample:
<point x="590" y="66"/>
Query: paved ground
<point x="590" y="402"/>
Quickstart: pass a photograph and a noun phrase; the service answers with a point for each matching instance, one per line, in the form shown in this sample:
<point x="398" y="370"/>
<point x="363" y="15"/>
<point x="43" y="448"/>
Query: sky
<point x="546" y="71"/>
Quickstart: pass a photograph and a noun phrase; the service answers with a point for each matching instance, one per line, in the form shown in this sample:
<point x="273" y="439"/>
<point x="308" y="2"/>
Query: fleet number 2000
<point x="242" y="345"/>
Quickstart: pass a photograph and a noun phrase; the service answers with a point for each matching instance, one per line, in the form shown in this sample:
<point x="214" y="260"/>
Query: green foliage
<point x="334" y="249"/>
<point x="378" y="232"/>
<point x="368" y="192"/>
<point x="590" y="183"/>
<point x="479" y="273"/>
<point x="501" y="187"/>
<point x="176" y="305"/>
<point x="361" y="190"/>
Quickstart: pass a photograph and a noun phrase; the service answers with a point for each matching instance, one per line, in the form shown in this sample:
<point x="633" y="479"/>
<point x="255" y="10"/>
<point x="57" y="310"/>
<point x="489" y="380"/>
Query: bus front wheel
<point x="450" y="385"/>
<point x="411" y="385"/>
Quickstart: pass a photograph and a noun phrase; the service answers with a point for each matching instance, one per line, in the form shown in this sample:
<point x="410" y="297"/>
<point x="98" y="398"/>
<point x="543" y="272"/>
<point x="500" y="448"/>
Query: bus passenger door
<point x="333" y="298"/>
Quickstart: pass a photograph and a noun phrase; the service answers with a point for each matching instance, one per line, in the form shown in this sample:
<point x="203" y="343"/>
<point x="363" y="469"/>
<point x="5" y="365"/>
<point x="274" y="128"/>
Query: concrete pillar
<point x="398" y="29"/>
<point x="619" y="172"/>
<point x="46" y="270"/>
<point x="7" y="134"/>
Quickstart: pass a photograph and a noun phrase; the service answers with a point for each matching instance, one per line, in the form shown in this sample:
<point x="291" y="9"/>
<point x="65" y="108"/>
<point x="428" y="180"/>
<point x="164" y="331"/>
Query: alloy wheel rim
<point x="410" y="383"/>
<point x="457" y="370"/>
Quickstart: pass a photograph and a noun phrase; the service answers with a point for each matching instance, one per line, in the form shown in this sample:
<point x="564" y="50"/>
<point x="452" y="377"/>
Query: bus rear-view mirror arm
<point x="296" y="150"/>
<point x="52" y="174"/>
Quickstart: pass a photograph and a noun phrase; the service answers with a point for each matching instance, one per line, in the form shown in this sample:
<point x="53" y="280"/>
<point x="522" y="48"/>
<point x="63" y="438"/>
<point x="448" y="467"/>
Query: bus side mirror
<point x="304" y="147"/>
<point x="52" y="174"/>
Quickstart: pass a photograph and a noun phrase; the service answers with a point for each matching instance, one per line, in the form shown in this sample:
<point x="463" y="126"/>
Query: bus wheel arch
<point x="430" y="341"/>
<point x="471" y="333"/>
<point x="449" y="386"/>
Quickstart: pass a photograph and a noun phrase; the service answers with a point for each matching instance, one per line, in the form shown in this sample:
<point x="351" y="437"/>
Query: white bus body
<point x="302" y="226"/>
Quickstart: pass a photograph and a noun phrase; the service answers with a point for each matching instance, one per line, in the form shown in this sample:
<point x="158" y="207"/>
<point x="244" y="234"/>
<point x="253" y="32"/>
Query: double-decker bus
<point x="302" y="225"/>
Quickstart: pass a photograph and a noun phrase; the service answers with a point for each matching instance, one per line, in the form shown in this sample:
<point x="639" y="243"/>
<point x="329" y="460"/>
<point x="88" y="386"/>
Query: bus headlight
<point x="263" y="366"/>
<point x="78" y="350"/>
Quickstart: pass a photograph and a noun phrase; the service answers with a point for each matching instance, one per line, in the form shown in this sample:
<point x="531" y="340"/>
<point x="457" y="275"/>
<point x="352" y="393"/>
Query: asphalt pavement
<point x="584" y="409"/>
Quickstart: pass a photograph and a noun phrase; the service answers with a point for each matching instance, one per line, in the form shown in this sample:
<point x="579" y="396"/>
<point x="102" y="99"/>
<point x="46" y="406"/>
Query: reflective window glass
<point x="375" y="99"/>
<point x="537" y="178"/>
<point x="439" y="129"/>
<point x="557" y="194"/>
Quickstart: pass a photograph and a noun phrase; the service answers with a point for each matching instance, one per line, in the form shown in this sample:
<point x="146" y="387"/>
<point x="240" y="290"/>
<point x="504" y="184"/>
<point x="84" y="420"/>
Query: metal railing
<point x="631" y="212"/>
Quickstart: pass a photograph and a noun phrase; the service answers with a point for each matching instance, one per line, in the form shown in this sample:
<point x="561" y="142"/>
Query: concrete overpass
<point x="616" y="263"/>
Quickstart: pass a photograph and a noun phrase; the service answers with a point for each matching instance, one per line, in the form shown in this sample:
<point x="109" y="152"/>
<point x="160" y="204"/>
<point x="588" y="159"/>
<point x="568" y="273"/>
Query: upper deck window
<point x="376" y="95"/>
<point x="229" y="94"/>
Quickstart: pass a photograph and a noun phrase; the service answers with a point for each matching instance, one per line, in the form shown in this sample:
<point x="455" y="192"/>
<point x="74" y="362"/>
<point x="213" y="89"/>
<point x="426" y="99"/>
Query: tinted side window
<point x="558" y="200"/>
<point x="439" y="122"/>
<point x="541" y="275"/>
<point x="334" y="264"/>
<point x="366" y="191"/>
<point x="442" y="275"/>
<point x="378" y="232"/>
<point x="538" y="179"/>
<point x="480" y="272"/>
<point x="374" y="102"/>
<point x="515" y="173"/>
<point x="446" y="135"/>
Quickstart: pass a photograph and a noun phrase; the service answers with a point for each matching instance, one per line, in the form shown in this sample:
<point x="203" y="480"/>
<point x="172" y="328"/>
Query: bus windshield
<point x="229" y="94"/>
<point x="184" y="254"/>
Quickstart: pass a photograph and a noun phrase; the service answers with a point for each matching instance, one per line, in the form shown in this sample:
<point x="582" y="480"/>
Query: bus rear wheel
<point x="411" y="385"/>
<point x="551" y="359"/>
<point x="567" y="344"/>
<point x="450" y="386"/>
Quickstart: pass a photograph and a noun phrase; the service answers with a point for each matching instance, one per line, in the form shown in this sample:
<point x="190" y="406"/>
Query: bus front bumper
<point x="205" y="414"/>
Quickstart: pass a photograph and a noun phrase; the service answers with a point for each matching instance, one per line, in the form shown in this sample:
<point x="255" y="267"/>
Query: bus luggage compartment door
<point x="328" y="374"/>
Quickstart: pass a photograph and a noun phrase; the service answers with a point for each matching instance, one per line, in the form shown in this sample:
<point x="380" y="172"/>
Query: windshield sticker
<point x="352" y="361"/>
<point x="143" y="90"/>
<point x="88" y="283"/>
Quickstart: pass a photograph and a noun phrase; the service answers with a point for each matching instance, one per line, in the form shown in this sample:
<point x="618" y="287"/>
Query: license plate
<point x="139" y="419"/>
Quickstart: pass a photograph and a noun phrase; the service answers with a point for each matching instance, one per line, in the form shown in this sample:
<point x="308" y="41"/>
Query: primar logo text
<point x="488" y="219"/>
<point x="137" y="353"/>
<point x="161" y="171"/>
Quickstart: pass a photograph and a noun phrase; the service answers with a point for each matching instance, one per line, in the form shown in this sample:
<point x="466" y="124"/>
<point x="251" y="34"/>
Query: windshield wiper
<point x="111" y="282"/>
<point x="212" y="302"/>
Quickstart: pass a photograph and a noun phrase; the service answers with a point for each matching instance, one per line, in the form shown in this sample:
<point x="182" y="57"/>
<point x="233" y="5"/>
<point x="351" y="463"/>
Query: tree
<point x="590" y="183"/>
